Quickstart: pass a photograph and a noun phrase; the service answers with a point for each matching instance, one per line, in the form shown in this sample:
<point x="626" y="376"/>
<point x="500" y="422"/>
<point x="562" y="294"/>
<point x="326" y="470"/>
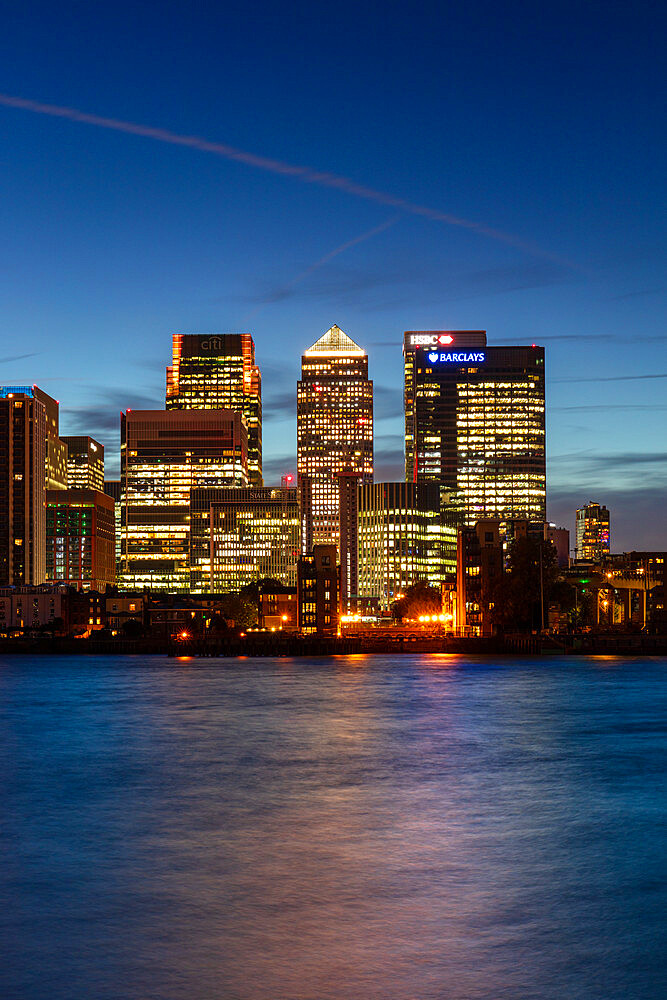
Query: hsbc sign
<point x="430" y="339"/>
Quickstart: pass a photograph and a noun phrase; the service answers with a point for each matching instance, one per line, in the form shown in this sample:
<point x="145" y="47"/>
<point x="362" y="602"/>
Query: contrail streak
<point x="284" y="290"/>
<point x="304" y="174"/>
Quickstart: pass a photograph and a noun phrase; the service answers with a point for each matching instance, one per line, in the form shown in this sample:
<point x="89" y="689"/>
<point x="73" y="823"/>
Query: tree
<point x="239" y="608"/>
<point x="531" y="575"/>
<point x="419" y="599"/>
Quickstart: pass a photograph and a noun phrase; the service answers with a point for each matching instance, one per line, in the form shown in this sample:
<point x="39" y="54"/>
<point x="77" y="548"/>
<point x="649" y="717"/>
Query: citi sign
<point x="212" y="344"/>
<point x="463" y="357"/>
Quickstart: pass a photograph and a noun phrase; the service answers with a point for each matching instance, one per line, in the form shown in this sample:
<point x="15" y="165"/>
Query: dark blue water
<point x="363" y="827"/>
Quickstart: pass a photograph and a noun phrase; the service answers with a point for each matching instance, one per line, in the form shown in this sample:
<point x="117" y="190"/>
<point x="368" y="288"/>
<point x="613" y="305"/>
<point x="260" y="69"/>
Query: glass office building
<point x="85" y="463"/>
<point x="334" y="426"/>
<point x="401" y="539"/>
<point x="593" y="532"/>
<point x="164" y="455"/>
<point x="218" y="371"/>
<point x="240" y="536"/>
<point x="475" y="423"/>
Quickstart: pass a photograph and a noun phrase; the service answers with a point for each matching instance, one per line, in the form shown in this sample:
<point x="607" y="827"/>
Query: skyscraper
<point x="334" y="425"/>
<point x="475" y="423"/>
<point x="593" y="537"/>
<point x="164" y="455"/>
<point x="213" y="371"/>
<point x="85" y="463"/>
<point x="23" y="450"/>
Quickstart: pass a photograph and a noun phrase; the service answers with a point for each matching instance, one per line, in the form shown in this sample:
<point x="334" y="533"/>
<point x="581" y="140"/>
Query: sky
<point x="278" y="168"/>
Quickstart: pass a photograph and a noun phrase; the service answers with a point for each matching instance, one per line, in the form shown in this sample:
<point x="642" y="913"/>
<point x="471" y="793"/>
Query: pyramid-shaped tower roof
<point x="335" y="341"/>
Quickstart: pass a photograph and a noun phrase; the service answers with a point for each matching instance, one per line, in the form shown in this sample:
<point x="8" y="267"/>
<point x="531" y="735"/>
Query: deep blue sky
<point x="545" y="122"/>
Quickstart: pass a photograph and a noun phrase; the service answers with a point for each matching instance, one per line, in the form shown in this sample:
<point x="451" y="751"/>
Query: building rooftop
<point x="335" y="341"/>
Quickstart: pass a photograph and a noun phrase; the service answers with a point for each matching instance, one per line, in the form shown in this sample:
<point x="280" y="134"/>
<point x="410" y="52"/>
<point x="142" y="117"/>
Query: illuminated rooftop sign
<point x="430" y="339"/>
<point x="457" y="357"/>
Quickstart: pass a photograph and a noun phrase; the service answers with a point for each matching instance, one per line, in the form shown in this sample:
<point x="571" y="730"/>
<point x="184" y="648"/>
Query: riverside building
<point x="475" y="423"/>
<point x="164" y="455"/>
<point x="334" y="427"/>
<point x="240" y="536"/>
<point x="218" y="371"/>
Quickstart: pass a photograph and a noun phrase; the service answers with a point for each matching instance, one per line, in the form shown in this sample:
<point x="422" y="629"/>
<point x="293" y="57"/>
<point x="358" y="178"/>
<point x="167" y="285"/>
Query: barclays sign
<point x="457" y="357"/>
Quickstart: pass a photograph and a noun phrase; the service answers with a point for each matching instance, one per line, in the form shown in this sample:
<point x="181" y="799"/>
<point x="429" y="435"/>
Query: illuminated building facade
<point x="85" y="463"/>
<point x="334" y="425"/>
<point x="80" y="539"/>
<point x="23" y="449"/>
<point x="164" y="455"/>
<point x="240" y="536"/>
<point x="475" y="423"/>
<point x="401" y="540"/>
<point x="593" y="533"/>
<point x="112" y="489"/>
<point x="218" y="371"/>
<point x="317" y="591"/>
<point x="55" y="457"/>
<point x="348" y="539"/>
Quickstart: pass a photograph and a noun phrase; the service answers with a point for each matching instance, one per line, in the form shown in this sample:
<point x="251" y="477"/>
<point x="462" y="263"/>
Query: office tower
<point x="112" y="489"/>
<point x="401" y="540"/>
<point x="211" y="371"/>
<point x="475" y="423"/>
<point x="80" y="539"/>
<point x="334" y="425"/>
<point x="593" y="535"/>
<point x="56" y="449"/>
<point x="240" y="536"/>
<point x="23" y="448"/>
<point x="165" y="454"/>
<point x="317" y="591"/>
<point x="348" y="539"/>
<point x="55" y="457"/>
<point x="85" y="463"/>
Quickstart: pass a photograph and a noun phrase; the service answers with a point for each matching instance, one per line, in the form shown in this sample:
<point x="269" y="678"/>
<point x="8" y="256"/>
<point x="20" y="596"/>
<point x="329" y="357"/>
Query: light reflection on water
<point x="362" y="827"/>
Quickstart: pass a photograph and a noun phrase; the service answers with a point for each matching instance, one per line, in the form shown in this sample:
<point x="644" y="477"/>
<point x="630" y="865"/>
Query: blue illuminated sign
<point x="457" y="357"/>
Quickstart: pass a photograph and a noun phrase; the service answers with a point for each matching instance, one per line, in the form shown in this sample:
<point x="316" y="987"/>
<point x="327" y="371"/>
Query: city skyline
<point x="446" y="182"/>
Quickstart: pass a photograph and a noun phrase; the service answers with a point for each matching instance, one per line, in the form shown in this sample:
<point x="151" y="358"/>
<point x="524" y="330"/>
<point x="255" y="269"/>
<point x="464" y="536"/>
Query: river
<point x="358" y="827"/>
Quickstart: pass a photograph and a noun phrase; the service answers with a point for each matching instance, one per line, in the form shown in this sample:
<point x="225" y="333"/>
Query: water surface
<point x="349" y="827"/>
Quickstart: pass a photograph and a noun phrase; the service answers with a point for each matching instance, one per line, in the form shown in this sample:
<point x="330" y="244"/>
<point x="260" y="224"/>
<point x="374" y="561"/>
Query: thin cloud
<point x="274" y="468"/>
<point x="611" y="378"/>
<point x="281" y="406"/>
<point x="285" y="291"/>
<point x="613" y="461"/>
<point x="306" y="175"/>
<point x="634" y="295"/>
<point x="18" y="357"/>
<point x="604" y="407"/>
<point x="387" y="402"/>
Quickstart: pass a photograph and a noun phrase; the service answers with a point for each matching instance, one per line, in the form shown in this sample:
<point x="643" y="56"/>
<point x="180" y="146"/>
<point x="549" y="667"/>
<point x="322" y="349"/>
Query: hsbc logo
<point x="430" y="339"/>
